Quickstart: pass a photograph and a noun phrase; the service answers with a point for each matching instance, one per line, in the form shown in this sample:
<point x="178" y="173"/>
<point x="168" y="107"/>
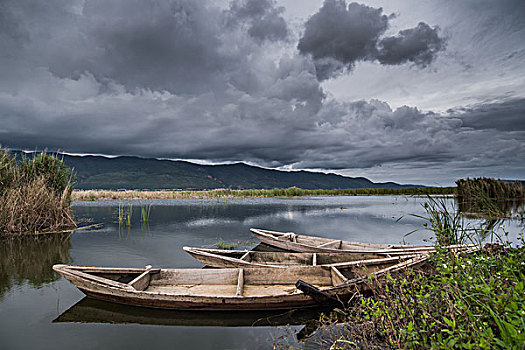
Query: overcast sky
<point x="409" y="91"/>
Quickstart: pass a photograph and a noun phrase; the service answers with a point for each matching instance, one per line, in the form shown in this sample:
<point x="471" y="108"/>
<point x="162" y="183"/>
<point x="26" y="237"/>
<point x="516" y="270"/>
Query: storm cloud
<point x="262" y="17"/>
<point x="338" y="36"/>
<point x="191" y="80"/>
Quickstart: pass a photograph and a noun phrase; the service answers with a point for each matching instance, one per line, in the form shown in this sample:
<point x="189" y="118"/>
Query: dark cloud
<point x="503" y="116"/>
<point x="341" y="34"/>
<point x="185" y="79"/>
<point x="262" y="17"/>
<point x="419" y="45"/>
<point x="338" y="36"/>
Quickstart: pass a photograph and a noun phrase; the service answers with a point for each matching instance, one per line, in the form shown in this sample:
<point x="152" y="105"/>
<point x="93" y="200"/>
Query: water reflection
<point x="90" y="310"/>
<point x="29" y="259"/>
<point x="492" y="207"/>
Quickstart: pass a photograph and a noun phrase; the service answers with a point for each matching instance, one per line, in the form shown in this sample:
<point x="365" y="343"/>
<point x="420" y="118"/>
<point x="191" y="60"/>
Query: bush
<point x="35" y="194"/>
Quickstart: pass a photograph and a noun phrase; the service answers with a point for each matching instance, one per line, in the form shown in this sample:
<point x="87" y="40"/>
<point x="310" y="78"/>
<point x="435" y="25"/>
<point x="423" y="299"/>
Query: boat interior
<point x="230" y="282"/>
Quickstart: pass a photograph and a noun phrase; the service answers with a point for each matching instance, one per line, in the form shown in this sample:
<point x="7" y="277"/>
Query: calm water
<point x="38" y="310"/>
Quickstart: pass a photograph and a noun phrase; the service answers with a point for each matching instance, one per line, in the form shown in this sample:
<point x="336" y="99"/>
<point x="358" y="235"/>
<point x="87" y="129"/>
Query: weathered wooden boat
<point x="310" y="244"/>
<point x="227" y="289"/>
<point x="224" y="258"/>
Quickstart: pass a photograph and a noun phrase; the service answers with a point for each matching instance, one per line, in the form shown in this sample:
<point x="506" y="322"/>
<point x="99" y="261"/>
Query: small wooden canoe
<point x="225" y="289"/>
<point x="224" y="258"/>
<point x="310" y="244"/>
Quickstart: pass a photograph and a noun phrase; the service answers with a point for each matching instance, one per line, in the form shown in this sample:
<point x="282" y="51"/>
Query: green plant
<point x="144" y="213"/>
<point x="224" y="245"/>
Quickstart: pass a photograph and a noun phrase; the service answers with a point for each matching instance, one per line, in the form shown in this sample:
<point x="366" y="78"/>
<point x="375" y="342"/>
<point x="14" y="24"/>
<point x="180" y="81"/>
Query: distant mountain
<point x="97" y="172"/>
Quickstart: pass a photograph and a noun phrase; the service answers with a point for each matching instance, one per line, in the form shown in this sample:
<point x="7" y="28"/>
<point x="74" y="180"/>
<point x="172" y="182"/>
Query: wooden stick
<point x="337" y="275"/>
<point x="240" y="283"/>
<point x="245" y="255"/>
<point x="329" y="243"/>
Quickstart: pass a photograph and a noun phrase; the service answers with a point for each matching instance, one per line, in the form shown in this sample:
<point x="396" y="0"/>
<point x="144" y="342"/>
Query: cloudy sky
<point x="412" y="91"/>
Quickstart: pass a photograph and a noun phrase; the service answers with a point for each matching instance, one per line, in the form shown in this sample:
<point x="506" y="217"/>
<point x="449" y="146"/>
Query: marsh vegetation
<point x="490" y="197"/>
<point x="35" y="194"/>
<point x="225" y="193"/>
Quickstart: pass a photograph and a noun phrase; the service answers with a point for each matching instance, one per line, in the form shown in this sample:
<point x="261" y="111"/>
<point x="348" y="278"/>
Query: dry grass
<point x="93" y="195"/>
<point x="34" y="195"/>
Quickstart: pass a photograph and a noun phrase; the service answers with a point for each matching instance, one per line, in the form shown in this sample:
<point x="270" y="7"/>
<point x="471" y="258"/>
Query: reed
<point x="144" y="213"/>
<point x="35" y="194"/>
<point x="225" y="245"/>
<point x="489" y="197"/>
<point x="225" y="193"/>
<point x="129" y="214"/>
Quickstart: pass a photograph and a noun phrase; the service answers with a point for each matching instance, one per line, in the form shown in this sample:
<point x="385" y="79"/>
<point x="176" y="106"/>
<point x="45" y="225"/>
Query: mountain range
<point x="129" y="172"/>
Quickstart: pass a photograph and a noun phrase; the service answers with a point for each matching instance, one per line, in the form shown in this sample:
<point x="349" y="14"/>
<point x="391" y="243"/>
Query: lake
<point x="40" y="310"/>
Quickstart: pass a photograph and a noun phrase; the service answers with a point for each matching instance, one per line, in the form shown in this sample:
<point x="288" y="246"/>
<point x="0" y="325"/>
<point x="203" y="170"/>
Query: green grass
<point x="225" y="245"/>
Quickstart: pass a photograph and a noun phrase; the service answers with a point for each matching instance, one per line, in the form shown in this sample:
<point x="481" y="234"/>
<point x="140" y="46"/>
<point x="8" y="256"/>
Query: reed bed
<point x="35" y="195"/>
<point x="489" y="197"/>
<point x="92" y="195"/>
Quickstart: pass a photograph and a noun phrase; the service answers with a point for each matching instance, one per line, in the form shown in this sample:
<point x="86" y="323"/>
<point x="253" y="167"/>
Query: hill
<point x="127" y="172"/>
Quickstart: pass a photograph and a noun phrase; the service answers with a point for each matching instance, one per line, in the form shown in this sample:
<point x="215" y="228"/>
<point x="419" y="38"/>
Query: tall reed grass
<point x="35" y="194"/>
<point x="489" y="197"/>
<point x="224" y="193"/>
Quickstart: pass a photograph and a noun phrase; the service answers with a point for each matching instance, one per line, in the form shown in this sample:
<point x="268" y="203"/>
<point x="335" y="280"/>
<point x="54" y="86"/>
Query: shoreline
<point x="100" y="195"/>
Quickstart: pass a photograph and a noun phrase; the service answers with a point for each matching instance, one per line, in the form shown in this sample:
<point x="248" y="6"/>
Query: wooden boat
<point x="310" y="244"/>
<point x="223" y="258"/>
<point x="227" y="289"/>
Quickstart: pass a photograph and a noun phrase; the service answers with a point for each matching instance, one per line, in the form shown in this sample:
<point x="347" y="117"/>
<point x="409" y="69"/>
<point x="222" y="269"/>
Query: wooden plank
<point x="94" y="269"/>
<point x="371" y="262"/>
<point x="102" y="280"/>
<point x="337" y="276"/>
<point x="197" y="276"/>
<point x="245" y="256"/>
<point x="141" y="282"/>
<point x="317" y="275"/>
<point x="331" y="243"/>
<point x="240" y="283"/>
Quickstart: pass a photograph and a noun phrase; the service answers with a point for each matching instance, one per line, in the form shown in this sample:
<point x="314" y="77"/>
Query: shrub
<point x="35" y="194"/>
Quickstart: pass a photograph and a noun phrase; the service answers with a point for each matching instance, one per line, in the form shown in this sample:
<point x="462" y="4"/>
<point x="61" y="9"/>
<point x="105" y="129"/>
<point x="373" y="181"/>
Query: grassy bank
<point x="474" y="301"/>
<point x="35" y="195"/>
<point x="92" y="195"/>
